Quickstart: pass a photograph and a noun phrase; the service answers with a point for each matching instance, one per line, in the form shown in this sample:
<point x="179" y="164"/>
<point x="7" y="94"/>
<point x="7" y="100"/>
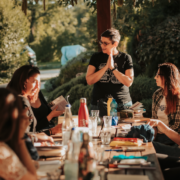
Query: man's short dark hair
<point x="112" y="34"/>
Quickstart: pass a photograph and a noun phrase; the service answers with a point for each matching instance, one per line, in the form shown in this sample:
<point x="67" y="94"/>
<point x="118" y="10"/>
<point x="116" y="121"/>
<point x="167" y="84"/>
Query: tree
<point x="62" y="26"/>
<point x="13" y="36"/>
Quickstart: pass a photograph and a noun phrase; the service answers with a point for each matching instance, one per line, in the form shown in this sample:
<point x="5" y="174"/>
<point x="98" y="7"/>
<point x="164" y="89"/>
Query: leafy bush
<point x="142" y="88"/>
<point x="148" y="106"/>
<point x="76" y="65"/>
<point x="49" y="84"/>
<point x="63" y="89"/>
<point x="77" y="92"/>
<point x="14" y="31"/>
<point x="75" y="107"/>
<point x="160" y="44"/>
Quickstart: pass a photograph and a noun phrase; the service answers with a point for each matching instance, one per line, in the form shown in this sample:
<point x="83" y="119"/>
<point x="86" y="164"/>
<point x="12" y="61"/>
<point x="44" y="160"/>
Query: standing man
<point x="111" y="71"/>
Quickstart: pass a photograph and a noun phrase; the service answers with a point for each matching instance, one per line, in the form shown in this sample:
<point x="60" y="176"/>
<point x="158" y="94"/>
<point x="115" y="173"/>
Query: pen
<point x="117" y="150"/>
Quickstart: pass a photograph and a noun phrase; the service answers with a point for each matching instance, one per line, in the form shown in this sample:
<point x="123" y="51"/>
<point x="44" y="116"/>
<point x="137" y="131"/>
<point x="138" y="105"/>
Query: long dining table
<point x="121" y="173"/>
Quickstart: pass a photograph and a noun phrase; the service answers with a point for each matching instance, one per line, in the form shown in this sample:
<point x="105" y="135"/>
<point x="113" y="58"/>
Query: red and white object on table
<point x="83" y="114"/>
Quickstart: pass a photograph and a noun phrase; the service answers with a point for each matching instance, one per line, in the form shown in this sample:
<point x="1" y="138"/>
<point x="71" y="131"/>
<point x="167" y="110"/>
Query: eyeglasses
<point x="105" y="43"/>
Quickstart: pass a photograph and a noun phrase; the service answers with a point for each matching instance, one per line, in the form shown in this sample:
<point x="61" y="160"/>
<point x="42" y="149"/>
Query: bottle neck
<point x="68" y="111"/>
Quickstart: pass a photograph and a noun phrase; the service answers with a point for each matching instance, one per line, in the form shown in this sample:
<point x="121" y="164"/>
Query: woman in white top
<point x="15" y="161"/>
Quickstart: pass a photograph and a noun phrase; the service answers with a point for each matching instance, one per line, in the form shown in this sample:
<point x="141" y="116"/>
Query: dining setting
<point x="113" y="154"/>
<point x="116" y="141"/>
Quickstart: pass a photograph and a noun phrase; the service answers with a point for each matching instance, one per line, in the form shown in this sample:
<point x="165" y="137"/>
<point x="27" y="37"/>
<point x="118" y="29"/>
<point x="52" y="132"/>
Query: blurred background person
<point x="15" y="161"/>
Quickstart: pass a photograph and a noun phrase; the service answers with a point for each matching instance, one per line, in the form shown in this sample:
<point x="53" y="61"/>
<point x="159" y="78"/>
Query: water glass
<point x="54" y="175"/>
<point x="105" y="137"/>
<point x="107" y="121"/>
<point x="93" y="125"/>
<point x="98" y="152"/>
<point x="95" y="113"/>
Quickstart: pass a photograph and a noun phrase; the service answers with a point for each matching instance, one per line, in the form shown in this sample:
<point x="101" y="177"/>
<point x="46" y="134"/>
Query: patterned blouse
<point x="173" y="118"/>
<point x="11" y="167"/>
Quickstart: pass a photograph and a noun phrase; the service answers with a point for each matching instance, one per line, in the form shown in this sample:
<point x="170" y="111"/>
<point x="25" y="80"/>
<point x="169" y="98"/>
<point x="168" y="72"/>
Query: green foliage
<point x="14" y="31"/>
<point x="144" y="20"/>
<point x="49" y="84"/>
<point x="76" y="65"/>
<point x="75" y="107"/>
<point x="78" y="91"/>
<point x="160" y="44"/>
<point x="142" y="88"/>
<point x="148" y="106"/>
<point x="63" y="89"/>
<point x="50" y="65"/>
<point x="58" y="27"/>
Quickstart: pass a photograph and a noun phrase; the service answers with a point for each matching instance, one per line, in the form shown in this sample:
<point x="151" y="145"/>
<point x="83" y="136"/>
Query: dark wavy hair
<point x="20" y="77"/>
<point x="112" y="34"/>
<point x="10" y="105"/>
<point x="170" y="77"/>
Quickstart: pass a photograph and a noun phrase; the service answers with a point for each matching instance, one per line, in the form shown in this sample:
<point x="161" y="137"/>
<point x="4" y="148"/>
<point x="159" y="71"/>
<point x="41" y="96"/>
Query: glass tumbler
<point x="105" y="136"/>
<point x="107" y="121"/>
<point x="95" y="113"/>
<point x="93" y="125"/>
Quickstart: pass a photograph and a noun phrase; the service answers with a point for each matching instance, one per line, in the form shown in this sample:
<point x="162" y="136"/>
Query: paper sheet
<point x="60" y="102"/>
<point x="126" y="177"/>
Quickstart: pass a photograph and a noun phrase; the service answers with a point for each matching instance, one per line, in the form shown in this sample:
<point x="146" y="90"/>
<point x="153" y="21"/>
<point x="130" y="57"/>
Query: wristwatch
<point x="113" y="69"/>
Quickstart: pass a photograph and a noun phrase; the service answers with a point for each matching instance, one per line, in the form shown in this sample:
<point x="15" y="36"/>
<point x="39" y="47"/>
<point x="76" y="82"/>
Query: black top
<point x="109" y="84"/>
<point x="41" y="114"/>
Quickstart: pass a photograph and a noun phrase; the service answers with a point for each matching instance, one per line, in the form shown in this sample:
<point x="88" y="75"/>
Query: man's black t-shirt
<point x="109" y="84"/>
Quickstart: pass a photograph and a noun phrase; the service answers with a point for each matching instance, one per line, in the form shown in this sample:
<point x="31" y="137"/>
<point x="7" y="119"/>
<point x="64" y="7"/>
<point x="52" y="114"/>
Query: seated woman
<point x="15" y="161"/>
<point x="166" y="101"/>
<point x="26" y="82"/>
<point x="168" y="121"/>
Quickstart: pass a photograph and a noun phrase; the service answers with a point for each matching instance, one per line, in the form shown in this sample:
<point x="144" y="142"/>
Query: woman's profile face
<point x="32" y="85"/>
<point x="159" y="79"/>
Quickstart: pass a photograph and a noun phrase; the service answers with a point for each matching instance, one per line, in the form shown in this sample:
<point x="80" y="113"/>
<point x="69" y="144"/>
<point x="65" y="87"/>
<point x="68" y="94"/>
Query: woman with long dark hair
<point x="166" y="100"/>
<point x="26" y="82"/>
<point x="166" y="119"/>
<point x="15" y="161"/>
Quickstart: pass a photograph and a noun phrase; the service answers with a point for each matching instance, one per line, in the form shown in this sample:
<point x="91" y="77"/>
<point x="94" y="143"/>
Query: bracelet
<point x="113" y="69"/>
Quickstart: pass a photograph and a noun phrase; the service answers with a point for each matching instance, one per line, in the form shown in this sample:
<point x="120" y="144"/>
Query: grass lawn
<point x="49" y="65"/>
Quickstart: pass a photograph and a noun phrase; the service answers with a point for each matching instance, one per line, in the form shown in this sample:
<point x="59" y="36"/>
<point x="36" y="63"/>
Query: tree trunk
<point x="103" y="17"/>
<point x="33" y="17"/>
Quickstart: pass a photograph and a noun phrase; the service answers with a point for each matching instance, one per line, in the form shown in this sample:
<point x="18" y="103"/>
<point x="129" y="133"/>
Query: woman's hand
<point x="57" y="129"/>
<point x="159" y="124"/>
<point x="110" y="61"/>
<point x="54" y="113"/>
<point x="42" y="137"/>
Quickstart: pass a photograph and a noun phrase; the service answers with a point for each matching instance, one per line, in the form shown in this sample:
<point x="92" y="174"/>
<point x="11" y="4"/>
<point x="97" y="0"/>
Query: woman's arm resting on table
<point x="127" y="78"/>
<point x="174" y="136"/>
<point x="92" y="76"/>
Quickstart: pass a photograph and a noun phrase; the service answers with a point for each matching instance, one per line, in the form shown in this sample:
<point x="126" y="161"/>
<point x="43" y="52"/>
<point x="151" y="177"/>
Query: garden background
<point x="150" y="33"/>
